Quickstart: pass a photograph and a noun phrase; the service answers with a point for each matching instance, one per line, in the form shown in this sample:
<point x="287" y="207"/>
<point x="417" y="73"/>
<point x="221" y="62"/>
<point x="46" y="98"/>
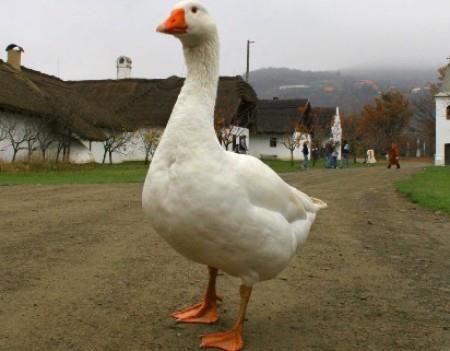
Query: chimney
<point x="15" y="56"/>
<point x="124" y="65"/>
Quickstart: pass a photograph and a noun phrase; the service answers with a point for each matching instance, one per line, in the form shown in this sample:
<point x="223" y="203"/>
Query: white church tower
<point x="124" y="67"/>
<point x="443" y="122"/>
<point x="336" y="133"/>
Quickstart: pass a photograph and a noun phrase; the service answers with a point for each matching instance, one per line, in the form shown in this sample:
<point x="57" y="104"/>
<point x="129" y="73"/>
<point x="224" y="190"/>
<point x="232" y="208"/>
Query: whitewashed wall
<point x="442" y="128"/>
<point x="6" y="151"/>
<point x="134" y="150"/>
<point x="82" y="152"/>
<point x="260" y="147"/>
<point x="79" y="154"/>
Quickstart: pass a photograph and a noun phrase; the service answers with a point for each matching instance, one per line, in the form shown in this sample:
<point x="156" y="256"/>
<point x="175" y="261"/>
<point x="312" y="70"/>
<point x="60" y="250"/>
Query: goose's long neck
<point x="192" y="119"/>
<point x="203" y="69"/>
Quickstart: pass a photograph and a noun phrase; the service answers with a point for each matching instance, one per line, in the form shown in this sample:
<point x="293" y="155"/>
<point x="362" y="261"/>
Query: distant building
<point x="443" y="122"/>
<point x="124" y="65"/>
<point x="278" y="120"/>
<point x="298" y="86"/>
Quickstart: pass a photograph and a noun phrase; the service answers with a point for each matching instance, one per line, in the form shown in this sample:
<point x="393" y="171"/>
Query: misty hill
<point x="350" y="89"/>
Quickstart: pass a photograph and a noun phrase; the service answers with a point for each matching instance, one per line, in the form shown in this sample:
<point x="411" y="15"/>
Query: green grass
<point x="130" y="172"/>
<point x="430" y="188"/>
<point x="283" y="166"/>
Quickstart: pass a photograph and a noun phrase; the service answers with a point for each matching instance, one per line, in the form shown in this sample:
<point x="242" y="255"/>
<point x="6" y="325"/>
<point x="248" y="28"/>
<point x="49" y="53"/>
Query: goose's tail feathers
<point x="319" y="203"/>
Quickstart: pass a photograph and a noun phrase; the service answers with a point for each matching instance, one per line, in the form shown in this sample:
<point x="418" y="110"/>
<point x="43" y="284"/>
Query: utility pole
<point x="247" y="75"/>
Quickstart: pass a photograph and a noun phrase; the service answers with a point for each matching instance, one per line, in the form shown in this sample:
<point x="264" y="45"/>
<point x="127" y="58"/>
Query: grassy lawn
<point x="430" y="188"/>
<point x="130" y="172"/>
<point x="283" y="166"/>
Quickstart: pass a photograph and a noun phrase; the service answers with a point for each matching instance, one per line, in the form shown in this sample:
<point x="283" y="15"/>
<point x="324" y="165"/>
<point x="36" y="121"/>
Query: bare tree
<point x="291" y="143"/>
<point x="3" y="133"/>
<point x="31" y="131"/>
<point x="63" y="140"/>
<point x="69" y="113"/>
<point x="150" y="140"/>
<point x="15" y="134"/>
<point x="226" y="137"/>
<point x="45" y="138"/>
<point x="230" y="135"/>
<point x="292" y="139"/>
<point x="115" y="143"/>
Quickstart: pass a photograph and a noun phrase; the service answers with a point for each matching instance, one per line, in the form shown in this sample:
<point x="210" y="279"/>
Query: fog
<point x="81" y="39"/>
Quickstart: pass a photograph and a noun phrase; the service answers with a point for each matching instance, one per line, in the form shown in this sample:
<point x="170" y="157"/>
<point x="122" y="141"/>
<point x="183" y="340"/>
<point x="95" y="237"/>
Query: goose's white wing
<point x="267" y="190"/>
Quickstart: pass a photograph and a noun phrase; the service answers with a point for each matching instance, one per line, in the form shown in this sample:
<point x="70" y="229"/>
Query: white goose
<point x="227" y="211"/>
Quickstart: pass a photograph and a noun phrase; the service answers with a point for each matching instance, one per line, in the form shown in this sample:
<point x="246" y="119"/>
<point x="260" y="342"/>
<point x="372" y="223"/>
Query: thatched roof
<point x="91" y="107"/>
<point x="149" y="102"/>
<point x="35" y="94"/>
<point x="280" y="116"/>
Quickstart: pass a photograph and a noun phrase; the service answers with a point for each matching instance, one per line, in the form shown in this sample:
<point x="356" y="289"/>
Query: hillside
<point x="349" y="89"/>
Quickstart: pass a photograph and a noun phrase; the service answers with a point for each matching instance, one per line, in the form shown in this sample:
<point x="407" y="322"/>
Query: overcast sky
<point x="87" y="36"/>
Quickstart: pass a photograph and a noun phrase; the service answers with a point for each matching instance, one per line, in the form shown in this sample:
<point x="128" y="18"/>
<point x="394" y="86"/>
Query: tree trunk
<point x="43" y="155"/>
<point x="69" y="144"/>
<point x="30" y="152"/>
<point x="110" y="158"/>
<point x="292" y="158"/>
<point x="146" y="162"/>
<point x="58" y="153"/>
<point x="15" y="151"/>
<point x="104" y="156"/>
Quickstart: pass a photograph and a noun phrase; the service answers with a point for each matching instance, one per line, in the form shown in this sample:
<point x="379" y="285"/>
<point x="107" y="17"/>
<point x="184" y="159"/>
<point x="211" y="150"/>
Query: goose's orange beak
<point x="175" y="24"/>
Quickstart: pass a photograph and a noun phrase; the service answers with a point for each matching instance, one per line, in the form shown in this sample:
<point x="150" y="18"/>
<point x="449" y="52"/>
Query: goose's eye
<point x="194" y="9"/>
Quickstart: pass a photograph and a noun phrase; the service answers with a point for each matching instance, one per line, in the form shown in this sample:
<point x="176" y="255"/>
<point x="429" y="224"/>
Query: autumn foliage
<point x="385" y="122"/>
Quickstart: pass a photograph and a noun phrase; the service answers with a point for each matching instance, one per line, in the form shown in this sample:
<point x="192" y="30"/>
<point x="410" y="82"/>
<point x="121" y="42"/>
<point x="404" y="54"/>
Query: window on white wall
<point x="448" y="112"/>
<point x="273" y="142"/>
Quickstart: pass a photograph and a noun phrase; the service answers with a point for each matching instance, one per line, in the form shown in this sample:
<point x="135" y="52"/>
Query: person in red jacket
<point x="394" y="156"/>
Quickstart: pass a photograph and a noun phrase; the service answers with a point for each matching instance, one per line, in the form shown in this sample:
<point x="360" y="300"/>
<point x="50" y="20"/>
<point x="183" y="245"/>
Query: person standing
<point x="328" y="155"/>
<point x="345" y="154"/>
<point x="394" y="157"/>
<point x="334" y="157"/>
<point x="305" y="152"/>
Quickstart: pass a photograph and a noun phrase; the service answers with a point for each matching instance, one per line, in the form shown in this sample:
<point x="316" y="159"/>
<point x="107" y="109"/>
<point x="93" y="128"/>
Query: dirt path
<point x="80" y="270"/>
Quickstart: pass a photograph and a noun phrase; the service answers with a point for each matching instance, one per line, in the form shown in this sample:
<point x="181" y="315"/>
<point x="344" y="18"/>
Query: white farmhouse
<point x="443" y="122"/>
<point x="78" y="117"/>
<point x="278" y="122"/>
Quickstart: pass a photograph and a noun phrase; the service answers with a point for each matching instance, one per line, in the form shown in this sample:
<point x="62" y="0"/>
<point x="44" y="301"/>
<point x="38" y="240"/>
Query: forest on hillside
<point x="350" y="89"/>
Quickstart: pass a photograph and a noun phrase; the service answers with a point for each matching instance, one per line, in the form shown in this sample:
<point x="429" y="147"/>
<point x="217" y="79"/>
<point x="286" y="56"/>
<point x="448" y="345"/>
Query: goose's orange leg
<point x="206" y="311"/>
<point x="231" y="340"/>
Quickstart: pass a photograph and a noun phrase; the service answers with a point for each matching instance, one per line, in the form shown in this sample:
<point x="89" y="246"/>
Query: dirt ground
<point x="81" y="270"/>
